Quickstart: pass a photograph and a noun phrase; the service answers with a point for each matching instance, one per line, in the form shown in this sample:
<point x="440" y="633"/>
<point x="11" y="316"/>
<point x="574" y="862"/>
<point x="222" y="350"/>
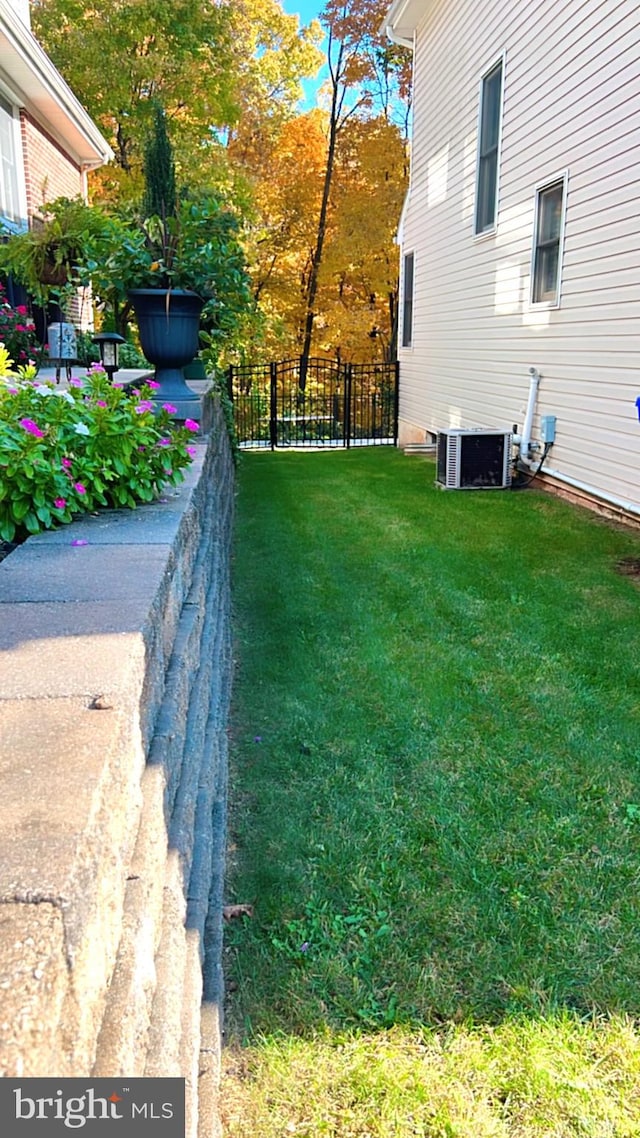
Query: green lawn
<point x="435" y="809"/>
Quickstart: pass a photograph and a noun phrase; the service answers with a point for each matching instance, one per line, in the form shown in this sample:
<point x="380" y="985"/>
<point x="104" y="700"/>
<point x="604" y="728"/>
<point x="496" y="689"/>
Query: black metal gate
<point x="326" y="403"/>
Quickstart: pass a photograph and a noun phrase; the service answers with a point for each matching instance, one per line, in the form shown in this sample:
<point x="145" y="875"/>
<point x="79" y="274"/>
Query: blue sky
<point x="307" y="10"/>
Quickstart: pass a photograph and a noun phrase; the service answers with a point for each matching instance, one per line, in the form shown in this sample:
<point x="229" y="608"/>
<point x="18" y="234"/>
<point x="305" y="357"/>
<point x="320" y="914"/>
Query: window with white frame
<point x="547" y="243"/>
<point x="10" y="158"/>
<point x="407" y="300"/>
<point x="489" y="129"/>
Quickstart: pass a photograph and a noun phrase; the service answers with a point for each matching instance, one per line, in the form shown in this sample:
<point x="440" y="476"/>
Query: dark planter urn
<point x="168" y="322"/>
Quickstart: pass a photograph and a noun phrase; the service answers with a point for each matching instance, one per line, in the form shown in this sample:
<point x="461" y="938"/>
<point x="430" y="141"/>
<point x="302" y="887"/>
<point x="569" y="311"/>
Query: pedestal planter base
<point x="168" y="322"/>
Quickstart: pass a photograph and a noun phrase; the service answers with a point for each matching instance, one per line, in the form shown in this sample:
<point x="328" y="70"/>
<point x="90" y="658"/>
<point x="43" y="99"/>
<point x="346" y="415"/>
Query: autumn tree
<point x="318" y="191"/>
<point x="357" y="295"/>
<point x="122" y="57"/>
<point x="360" y="85"/>
<point x="218" y="69"/>
<point x="287" y="187"/>
<point x="272" y="54"/>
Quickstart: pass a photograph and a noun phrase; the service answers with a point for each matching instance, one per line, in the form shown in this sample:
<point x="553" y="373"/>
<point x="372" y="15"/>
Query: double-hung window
<point x="10" y="165"/>
<point x="547" y="244"/>
<point x="407" y="300"/>
<point x="489" y="129"/>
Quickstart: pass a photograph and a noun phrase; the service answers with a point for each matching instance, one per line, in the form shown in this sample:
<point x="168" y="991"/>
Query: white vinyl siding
<point x="569" y="103"/>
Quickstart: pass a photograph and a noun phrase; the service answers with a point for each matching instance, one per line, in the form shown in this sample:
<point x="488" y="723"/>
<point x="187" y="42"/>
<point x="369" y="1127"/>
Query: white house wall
<point x="571" y="104"/>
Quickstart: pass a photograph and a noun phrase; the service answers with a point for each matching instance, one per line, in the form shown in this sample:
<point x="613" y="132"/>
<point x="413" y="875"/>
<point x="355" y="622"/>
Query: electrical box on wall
<point x="548" y="429"/>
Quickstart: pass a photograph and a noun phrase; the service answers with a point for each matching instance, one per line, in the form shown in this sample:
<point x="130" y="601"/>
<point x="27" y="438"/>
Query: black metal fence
<point x="297" y="403"/>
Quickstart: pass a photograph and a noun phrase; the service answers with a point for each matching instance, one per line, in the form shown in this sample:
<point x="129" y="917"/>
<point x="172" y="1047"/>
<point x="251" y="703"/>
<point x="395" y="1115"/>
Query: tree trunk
<point x="312" y="286"/>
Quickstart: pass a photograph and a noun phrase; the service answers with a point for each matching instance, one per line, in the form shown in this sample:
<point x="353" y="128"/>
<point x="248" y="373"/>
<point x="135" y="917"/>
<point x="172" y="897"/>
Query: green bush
<point x="63" y="452"/>
<point x="87" y="352"/>
<point x="130" y="356"/>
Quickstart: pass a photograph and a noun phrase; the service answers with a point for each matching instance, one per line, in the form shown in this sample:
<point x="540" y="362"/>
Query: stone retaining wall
<point x="114" y="687"/>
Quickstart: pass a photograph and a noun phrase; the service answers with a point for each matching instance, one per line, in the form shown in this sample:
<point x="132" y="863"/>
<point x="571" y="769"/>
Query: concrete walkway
<point x="125" y="375"/>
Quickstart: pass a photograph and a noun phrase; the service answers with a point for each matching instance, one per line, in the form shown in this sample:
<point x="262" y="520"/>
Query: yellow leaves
<point x="358" y="275"/>
<point x="273" y="55"/>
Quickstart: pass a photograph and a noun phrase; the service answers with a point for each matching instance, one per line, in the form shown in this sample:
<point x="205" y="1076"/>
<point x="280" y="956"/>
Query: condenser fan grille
<point x="474" y="459"/>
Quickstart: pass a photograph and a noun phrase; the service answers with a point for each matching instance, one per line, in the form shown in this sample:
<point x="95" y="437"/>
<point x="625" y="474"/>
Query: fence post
<point x="348" y="385"/>
<point x="396" y="403"/>
<point x="273" y="405"/>
<point x="230" y="382"/>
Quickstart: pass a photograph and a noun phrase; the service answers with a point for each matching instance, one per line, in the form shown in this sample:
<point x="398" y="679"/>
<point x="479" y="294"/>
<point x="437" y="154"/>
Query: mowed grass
<point x="435" y="809"/>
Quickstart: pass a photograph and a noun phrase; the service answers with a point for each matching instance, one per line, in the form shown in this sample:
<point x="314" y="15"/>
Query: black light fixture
<point x="108" y="345"/>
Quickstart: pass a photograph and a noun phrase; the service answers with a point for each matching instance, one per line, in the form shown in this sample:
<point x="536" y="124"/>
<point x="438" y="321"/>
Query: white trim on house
<point x="404" y="255"/>
<point x="563" y="177"/>
<point x="402" y="18"/>
<point x="42" y="91"/>
<point x="480" y="234"/>
<point x="400" y="230"/>
<point x="15" y="223"/>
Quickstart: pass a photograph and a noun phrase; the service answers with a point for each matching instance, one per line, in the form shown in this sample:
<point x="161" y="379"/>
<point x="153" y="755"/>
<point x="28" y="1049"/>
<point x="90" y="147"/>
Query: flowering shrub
<point x="18" y="332"/>
<point x="67" y="451"/>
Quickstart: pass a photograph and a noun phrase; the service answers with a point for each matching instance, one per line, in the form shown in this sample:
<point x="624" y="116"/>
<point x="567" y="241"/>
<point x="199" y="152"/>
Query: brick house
<point x="48" y="142"/>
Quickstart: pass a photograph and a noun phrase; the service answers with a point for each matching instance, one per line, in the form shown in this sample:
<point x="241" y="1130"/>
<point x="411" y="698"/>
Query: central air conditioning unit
<point x="470" y="459"/>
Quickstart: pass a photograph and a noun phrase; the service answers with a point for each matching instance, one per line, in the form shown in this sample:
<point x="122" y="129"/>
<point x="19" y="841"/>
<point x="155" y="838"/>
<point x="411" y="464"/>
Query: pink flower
<point x="31" y="428"/>
<point x="142" y="406"/>
<point x="169" y="408"/>
<point x="21" y="328"/>
<point x="100" y="403"/>
<point x="192" y="451"/>
<point x="191" y="425"/>
<point x="163" y="442"/>
<point x="60" y="503"/>
<point x="153" y="385"/>
<point x="22" y="309"/>
<point x="79" y="541"/>
<point x="76" y="383"/>
<point x="96" y="367"/>
<point x="79" y="488"/>
<point x="168" y="471"/>
<point x="66" y="463"/>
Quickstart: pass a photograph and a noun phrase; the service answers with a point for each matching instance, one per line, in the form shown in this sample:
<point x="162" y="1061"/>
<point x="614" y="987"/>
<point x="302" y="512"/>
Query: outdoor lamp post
<point x="108" y="345"/>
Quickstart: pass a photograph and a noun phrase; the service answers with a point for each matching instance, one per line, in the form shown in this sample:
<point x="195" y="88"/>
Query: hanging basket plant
<point x="53" y="275"/>
<point x="46" y="256"/>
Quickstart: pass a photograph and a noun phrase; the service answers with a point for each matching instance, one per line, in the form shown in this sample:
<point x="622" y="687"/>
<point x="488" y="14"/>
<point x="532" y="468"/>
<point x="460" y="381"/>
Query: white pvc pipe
<point x="600" y="495"/>
<point x="576" y="483"/>
<point x="525" y="438"/>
